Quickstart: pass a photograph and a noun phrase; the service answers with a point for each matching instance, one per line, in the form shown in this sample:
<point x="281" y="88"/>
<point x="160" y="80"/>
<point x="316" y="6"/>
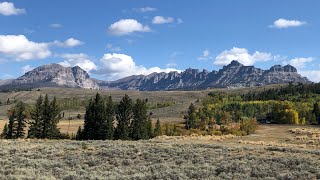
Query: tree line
<point x="42" y="123"/>
<point x="104" y="119"/>
<point x="127" y="120"/>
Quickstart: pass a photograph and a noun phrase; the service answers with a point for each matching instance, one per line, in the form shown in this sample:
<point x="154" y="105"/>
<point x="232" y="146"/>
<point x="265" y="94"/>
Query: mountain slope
<point x="52" y="75"/>
<point x="233" y="75"/>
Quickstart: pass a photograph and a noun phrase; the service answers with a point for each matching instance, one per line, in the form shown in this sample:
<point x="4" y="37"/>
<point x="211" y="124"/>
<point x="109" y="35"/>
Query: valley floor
<point x="273" y="152"/>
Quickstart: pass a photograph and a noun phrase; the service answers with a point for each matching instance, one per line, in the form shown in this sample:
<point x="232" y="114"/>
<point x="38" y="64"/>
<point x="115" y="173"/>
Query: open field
<point x="267" y="154"/>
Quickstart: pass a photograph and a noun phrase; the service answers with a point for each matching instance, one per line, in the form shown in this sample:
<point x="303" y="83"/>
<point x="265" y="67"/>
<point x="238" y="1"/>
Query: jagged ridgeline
<point x="233" y="75"/>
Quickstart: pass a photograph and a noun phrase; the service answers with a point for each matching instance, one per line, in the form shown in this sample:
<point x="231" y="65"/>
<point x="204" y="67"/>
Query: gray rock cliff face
<point x="57" y="75"/>
<point x="233" y="75"/>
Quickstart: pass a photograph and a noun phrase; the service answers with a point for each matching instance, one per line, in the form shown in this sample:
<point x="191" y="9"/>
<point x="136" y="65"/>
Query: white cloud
<point x="145" y="9"/>
<point x="284" y="23"/>
<point x="20" y="48"/>
<point x="8" y="9"/>
<point x="115" y="66"/>
<point x="299" y="63"/>
<point x="56" y="25"/>
<point x="81" y="60"/>
<point x="26" y="68"/>
<point x="242" y="55"/>
<point x="113" y="48"/>
<point x="312" y="75"/>
<point x="162" y="20"/>
<point x="71" y="42"/>
<point x="205" y="55"/>
<point x="126" y="27"/>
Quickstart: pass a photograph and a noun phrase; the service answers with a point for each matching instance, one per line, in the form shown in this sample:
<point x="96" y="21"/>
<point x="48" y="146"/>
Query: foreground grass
<point x="155" y="159"/>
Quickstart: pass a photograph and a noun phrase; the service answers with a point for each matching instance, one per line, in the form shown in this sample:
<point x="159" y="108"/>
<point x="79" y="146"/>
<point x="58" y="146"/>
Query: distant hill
<point x="233" y="75"/>
<point x="52" y="75"/>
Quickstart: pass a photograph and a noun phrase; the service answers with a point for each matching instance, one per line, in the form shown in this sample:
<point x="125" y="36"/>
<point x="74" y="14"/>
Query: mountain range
<point x="233" y="75"/>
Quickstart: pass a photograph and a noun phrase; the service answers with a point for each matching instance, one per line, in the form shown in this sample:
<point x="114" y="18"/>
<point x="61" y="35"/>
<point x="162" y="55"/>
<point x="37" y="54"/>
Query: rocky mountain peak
<point x="56" y="75"/>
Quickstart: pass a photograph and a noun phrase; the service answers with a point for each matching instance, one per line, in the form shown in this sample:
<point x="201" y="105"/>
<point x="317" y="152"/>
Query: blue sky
<point x="114" y="39"/>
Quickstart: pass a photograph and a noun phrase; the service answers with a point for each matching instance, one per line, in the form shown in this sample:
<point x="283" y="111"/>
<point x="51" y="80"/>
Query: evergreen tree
<point x="54" y="132"/>
<point x="79" y="135"/>
<point x="88" y="130"/>
<point x="49" y="121"/>
<point x="99" y="115"/>
<point x="46" y="118"/>
<point x="20" y="119"/>
<point x="4" y="131"/>
<point x="316" y="110"/>
<point x="139" y="122"/>
<point x="8" y="101"/>
<point x="109" y="118"/>
<point x="191" y="118"/>
<point x="36" y="122"/>
<point x="157" y="129"/>
<point x="123" y="115"/>
<point x="10" y="132"/>
<point x="149" y="128"/>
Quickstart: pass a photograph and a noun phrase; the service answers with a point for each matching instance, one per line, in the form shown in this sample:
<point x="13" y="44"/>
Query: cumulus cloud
<point x="299" y="63"/>
<point x="312" y="75"/>
<point x="145" y="9"/>
<point x="242" y="55"/>
<point x="126" y="27"/>
<point x="82" y="60"/>
<point x="284" y="23"/>
<point x="56" y="25"/>
<point x="71" y="42"/>
<point x="115" y="66"/>
<point x="20" y="48"/>
<point x="26" y="68"/>
<point x="205" y="55"/>
<point x="8" y="9"/>
<point x="162" y="20"/>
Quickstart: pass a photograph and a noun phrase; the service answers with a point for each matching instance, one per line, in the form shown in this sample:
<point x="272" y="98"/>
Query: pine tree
<point x="89" y="122"/>
<point x="149" y="128"/>
<point x="54" y="132"/>
<point x="4" y="131"/>
<point x="8" y="101"/>
<point x="316" y="110"/>
<point x="191" y="118"/>
<point x="109" y="118"/>
<point x="79" y="135"/>
<point x="139" y="123"/>
<point x="36" y="116"/>
<point x="123" y="115"/>
<point x="20" y="119"/>
<point x="49" y="122"/>
<point x="10" y="132"/>
<point x="157" y="129"/>
<point x="100" y="125"/>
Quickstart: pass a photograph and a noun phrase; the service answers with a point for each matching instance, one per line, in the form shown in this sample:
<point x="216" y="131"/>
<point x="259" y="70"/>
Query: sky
<point x="115" y="39"/>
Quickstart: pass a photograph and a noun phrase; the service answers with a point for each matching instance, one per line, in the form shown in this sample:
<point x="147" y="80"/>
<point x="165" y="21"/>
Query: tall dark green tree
<point x="20" y="120"/>
<point x="109" y="128"/>
<point x="139" y="122"/>
<point x="35" y="128"/>
<point x="99" y="116"/>
<point x="191" y="118"/>
<point x="11" y="114"/>
<point x="49" y="120"/>
<point x="149" y="127"/>
<point x="157" y="129"/>
<point x="316" y="110"/>
<point x="123" y="115"/>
